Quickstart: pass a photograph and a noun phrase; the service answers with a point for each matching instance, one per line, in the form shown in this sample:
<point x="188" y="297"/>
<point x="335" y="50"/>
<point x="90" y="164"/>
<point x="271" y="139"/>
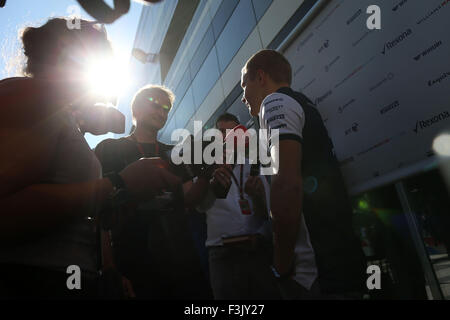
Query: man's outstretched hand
<point x="145" y="179"/>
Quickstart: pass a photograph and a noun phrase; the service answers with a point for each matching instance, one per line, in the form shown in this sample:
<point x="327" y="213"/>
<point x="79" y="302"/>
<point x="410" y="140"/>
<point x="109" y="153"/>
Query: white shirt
<point x="282" y="112"/>
<point x="224" y="217"/>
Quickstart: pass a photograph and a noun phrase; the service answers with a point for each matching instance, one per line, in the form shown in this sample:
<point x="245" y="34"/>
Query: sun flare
<point x="108" y="77"/>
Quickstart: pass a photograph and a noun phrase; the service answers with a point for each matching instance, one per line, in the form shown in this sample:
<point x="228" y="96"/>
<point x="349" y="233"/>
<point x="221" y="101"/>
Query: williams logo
<point x="388" y="77"/>
<point x="342" y="108"/>
<point x="422" y="124"/>
<point x="392" y="44"/>
<point x="441" y="78"/>
<point x="328" y="66"/>
<point x="428" y="51"/>
<point x="309" y="83"/>
<point x="325" y="45"/>
<point x="303" y="42"/>
<point x="322" y="98"/>
<point x="391" y="106"/>
<point x="354" y="128"/>
<point x="399" y="5"/>
<point x="299" y="69"/>
<point x="353" y="17"/>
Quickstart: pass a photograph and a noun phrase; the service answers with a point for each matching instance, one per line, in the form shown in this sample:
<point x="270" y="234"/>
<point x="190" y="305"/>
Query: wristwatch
<point x="119" y="196"/>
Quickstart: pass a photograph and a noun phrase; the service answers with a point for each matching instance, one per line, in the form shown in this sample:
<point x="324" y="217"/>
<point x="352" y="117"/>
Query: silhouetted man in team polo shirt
<point x="316" y="254"/>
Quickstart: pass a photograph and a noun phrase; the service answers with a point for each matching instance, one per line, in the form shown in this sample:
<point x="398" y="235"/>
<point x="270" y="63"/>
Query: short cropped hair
<point x="227" y="117"/>
<point x="147" y="91"/>
<point x="271" y="62"/>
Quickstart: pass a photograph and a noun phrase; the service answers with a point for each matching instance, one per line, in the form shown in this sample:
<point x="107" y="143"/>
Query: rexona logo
<point x="399" y="5"/>
<point x="392" y="44"/>
<point x="423" y="124"/>
<point x="441" y="78"/>
<point x="354" y="128"/>
<point x="428" y="51"/>
<point x="391" y="106"/>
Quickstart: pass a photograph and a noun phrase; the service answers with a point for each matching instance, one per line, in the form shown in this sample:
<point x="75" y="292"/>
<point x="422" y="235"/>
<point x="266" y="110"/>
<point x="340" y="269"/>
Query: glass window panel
<point x="185" y="110"/>
<point x="185" y="52"/>
<point x="222" y="15"/>
<point x="235" y="32"/>
<point x="214" y="7"/>
<point x="240" y="110"/>
<point x="182" y="87"/>
<point x="164" y="133"/>
<point x="261" y="7"/>
<point x="428" y="197"/>
<point x="381" y="225"/>
<point x="202" y="51"/>
<point x="206" y="78"/>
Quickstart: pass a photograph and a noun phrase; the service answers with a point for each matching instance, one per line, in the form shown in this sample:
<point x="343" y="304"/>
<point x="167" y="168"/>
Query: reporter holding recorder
<point x="51" y="185"/>
<point x="238" y="228"/>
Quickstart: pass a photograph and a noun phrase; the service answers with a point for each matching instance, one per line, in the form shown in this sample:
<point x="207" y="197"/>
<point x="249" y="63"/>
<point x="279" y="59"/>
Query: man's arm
<point x="201" y="190"/>
<point x="286" y="204"/>
<point x="255" y="188"/>
<point x="40" y="207"/>
<point x="29" y="100"/>
<point x="30" y="122"/>
<point x="195" y="192"/>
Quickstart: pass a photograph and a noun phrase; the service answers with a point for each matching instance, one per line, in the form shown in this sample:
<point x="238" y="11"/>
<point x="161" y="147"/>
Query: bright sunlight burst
<point x="108" y="77"/>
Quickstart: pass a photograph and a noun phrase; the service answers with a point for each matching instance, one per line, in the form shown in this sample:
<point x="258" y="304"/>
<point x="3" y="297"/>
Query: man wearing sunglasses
<point x="146" y="244"/>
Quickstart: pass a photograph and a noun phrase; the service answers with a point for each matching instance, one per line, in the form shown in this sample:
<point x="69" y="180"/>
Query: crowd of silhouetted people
<point x="135" y="225"/>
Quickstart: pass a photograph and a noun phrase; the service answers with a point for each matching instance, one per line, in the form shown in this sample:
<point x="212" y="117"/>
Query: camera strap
<point x="241" y="184"/>
<point x="141" y="149"/>
<point x="243" y="203"/>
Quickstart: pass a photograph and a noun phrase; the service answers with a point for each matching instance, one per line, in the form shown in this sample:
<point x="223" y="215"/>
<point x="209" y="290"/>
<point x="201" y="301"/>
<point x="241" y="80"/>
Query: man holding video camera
<point x="51" y="186"/>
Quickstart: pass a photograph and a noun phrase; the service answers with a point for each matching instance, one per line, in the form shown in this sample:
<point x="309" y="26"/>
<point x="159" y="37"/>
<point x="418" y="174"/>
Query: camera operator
<point x="51" y="185"/>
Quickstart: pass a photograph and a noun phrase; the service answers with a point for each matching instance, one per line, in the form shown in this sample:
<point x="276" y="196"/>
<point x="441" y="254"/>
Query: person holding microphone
<point x="238" y="229"/>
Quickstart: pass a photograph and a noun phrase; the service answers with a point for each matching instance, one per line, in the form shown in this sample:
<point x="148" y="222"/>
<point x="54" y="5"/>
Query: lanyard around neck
<point x="240" y="185"/>
<point x="141" y="149"/>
